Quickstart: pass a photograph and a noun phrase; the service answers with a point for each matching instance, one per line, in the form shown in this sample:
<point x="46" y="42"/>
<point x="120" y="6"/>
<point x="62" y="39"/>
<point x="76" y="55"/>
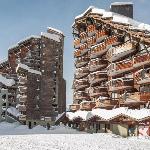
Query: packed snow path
<point x="40" y="139"/>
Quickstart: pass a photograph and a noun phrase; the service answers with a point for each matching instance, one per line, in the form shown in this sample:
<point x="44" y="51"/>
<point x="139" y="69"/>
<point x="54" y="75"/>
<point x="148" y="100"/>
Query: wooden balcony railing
<point x="120" y="84"/>
<point x="98" y="91"/>
<point x="81" y="95"/>
<point x="81" y="61"/>
<point x="91" y="29"/>
<point x="142" y="76"/>
<point x="74" y="107"/>
<point x="101" y="35"/>
<point x="81" y="72"/>
<point x="141" y="59"/>
<point x="96" y="64"/>
<point x="91" y="41"/>
<point x="98" y="50"/>
<point x="83" y="37"/>
<point x="145" y="96"/>
<point x="97" y="77"/>
<point x="120" y="67"/>
<point x="87" y="105"/>
<point x="120" y="51"/>
<point x="80" y="84"/>
<point x="106" y="103"/>
<point x="77" y="43"/>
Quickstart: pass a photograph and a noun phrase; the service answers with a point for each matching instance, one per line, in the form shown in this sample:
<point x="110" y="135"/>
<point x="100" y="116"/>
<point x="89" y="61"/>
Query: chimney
<point x="122" y="8"/>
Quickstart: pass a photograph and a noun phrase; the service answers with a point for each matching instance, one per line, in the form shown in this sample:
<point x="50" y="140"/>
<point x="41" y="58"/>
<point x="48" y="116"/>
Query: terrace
<point x="87" y="105"/>
<point x="91" y="29"/>
<point x="120" y="84"/>
<point x="77" y="43"/>
<point x="120" y="67"/>
<point x="98" y="91"/>
<point x="142" y="77"/>
<point x="81" y="95"/>
<point x="80" y="84"/>
<point x="115" y="53"/>
<point x="81" y="61"/>
<point x="96" y="64"/>
<point x="141" y="59"/>
<point x="97" y="77"/>
<point x="101" y="35"/>
<point x="81" y="72"/>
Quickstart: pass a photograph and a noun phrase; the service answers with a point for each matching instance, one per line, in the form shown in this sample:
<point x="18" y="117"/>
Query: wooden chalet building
<point x="112" y="60"/>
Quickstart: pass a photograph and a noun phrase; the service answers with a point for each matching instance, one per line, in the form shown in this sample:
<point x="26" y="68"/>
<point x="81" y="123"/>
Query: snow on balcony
<point x="25" y="67"/>
<point x="7" y="82"/>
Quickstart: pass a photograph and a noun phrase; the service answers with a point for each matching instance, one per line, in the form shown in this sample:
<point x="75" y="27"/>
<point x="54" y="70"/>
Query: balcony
<point x="23" y="99"/>
<point x="106" y="104"/>
<point x="83" y="37"/>
<point x="120" y="84"/>
<point x="145" y="96"/>
<point x="80" y="84"/>
<point x="111" y="41"/>
<point x="22" y="89"/>
<point x="91" y="41"/>
<point x="87" y="105"/>
<point x="97" y="64"/>
<point x="98" y="50"/>
<point x="98" y="91"/>
<point x="22" y="117"/>
<point x="91" y="29"/>
<point x="138" y="97"/>
<point x="81" y="61"/>
<point x="142" y="77"/>
<point x="120" y="67"/>
<point x="77" y="43"/>
<point x="81" y="95"/>
<point x="141" y="59"/>
<point x="84" y="48"/>
<point x="115" y="53"/>
<point x="22" y="108"/>
<point x="97" y="77"/>
<point x="22" y="80"/>
<point x="81" y="72"/>
<point x="101" y="35"/>
<point x="74" y="107"/>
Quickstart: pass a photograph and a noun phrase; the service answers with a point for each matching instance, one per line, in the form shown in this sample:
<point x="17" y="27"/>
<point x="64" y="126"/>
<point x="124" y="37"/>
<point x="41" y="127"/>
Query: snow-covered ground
<point x="40" y="139"/>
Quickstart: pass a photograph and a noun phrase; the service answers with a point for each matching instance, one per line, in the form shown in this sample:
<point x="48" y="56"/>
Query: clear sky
<point x="21" y="18"/>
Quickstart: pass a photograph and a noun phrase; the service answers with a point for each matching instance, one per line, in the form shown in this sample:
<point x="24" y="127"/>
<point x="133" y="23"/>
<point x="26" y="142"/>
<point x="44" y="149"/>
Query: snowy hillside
<point x="70" y="139"/>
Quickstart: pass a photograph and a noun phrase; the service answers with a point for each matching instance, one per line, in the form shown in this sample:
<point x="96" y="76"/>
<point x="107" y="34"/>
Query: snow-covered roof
<point x="110" y="114"/>
<point x="52" y="36"/>
<point x="3" y="60"/>
<point x="116" y="17"/>
<point x="7" y="82"/>
<point x="25" y="67"/>
<point x="122" y="3"/>
<point x="27" y="38"/>
<point x="13" y="111"/>
<point x="60" y="32"/>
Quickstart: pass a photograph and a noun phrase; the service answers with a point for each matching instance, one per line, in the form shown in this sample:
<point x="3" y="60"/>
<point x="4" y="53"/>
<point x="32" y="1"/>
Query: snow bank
<point x="25" y="67"/>
<point x="7" y="82"/>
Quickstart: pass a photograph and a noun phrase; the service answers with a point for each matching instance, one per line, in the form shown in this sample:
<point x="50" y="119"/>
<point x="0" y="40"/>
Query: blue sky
<point x="21" y="18"/>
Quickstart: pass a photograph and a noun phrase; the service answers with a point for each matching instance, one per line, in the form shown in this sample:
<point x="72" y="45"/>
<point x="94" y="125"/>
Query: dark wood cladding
<point x="42" y="95"/>
<point x="32" y="104"/>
